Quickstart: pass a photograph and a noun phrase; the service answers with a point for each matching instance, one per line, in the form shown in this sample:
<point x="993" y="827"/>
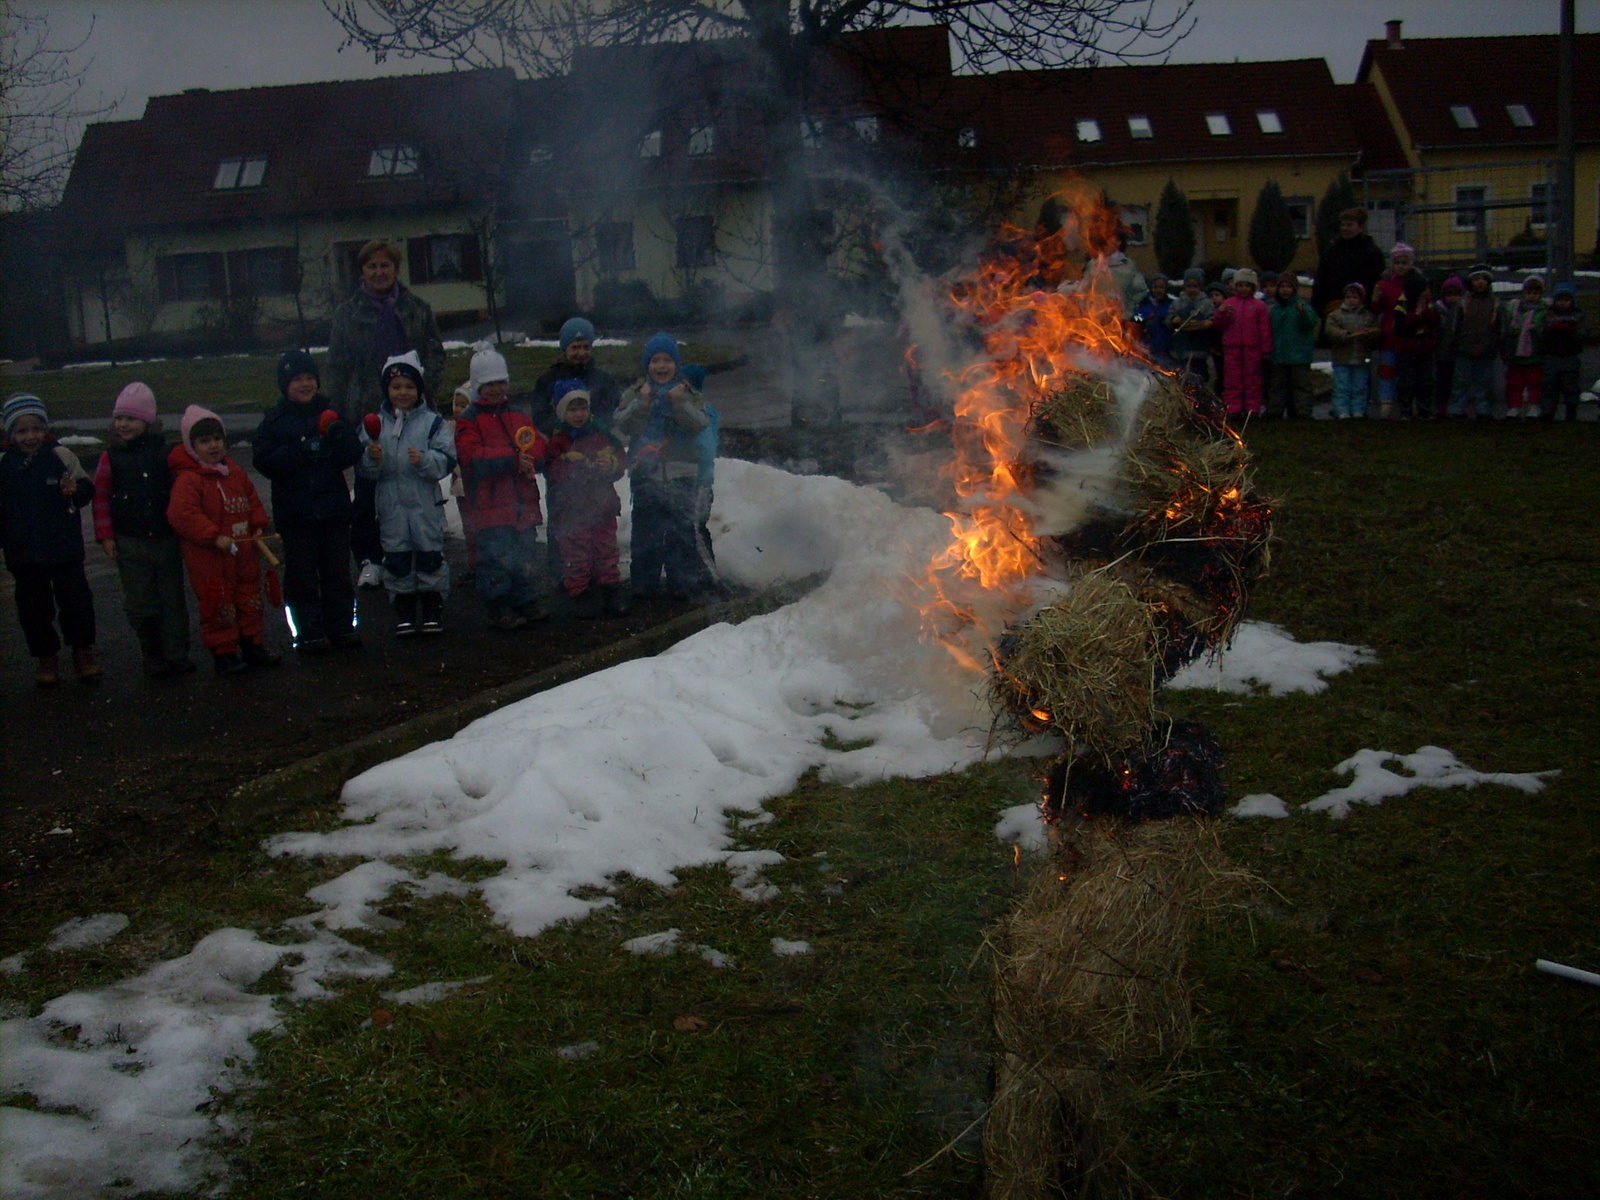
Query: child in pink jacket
<point x="1246" y="341"/>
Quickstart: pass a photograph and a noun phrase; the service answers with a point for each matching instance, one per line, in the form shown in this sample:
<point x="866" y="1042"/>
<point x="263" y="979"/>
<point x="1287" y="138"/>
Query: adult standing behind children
<point x="132" y="485"/>
<point x="304" y="446"/>
<point x="411" y="454"/>
<point x="662" y="417"/>
<point x="42" y="487"/>
<point x="1352" y="258"/>
<point x="381" y="320"/>
<point x="576" y="363"/>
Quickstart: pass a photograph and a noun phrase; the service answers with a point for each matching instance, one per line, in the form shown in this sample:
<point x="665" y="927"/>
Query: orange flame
<point x="1031" y="334"/>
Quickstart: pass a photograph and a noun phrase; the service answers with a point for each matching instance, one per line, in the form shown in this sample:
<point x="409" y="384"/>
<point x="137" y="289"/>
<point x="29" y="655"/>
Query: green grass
<point x="247" y="383"/>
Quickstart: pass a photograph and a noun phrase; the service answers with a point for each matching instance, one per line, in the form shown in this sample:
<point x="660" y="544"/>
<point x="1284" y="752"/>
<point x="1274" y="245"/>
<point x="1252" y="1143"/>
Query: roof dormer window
<point x="1219" y="125"/>
<point x="1521" y="115"/>
<point x="650" y="144"/>
<point x="1088" y="129"/>
<point x="391" y="162"/>
<point x="1268" y="121"/>
<point x="702" y="140"/>
<point x="866" y="129"/>
<point x="1464" y="117"/>
<point x="235" y="173"/>
<point x="967" y="139"/>
<point x="1140" y="127"/>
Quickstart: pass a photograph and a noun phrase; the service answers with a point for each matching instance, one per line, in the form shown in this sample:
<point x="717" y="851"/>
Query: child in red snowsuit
<point x="1246" y="342"/>
<point x="582" y="465"/>
<point x="213" y="505"/>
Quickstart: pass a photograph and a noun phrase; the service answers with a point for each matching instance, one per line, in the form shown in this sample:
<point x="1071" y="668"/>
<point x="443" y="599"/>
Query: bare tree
<point x="41" y="110"/>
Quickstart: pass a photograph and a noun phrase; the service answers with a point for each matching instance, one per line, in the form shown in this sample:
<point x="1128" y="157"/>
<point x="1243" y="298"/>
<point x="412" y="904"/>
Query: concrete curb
<point x="320" y="776"/>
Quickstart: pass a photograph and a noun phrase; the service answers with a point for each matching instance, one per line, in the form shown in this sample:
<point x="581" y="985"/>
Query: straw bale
<point x="1080" y="414"/>
<point x="1090" y="999"/>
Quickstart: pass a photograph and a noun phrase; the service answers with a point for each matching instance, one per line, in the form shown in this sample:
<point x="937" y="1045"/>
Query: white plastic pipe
<point x="1566" y="972"/>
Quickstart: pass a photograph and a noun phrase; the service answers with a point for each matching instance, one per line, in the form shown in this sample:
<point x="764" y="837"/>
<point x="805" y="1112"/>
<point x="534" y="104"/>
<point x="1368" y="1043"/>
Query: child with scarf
<point x="1524" y="328"/>
<point x="662" y="417"/>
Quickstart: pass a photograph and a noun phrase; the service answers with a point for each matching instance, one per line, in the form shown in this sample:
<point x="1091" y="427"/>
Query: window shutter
<point x="217" y="277"/>
<point x="471" y="261"/>
<point x="417" y="253"/>
<point x="290" y="269"/>
<point x="166" y="280"/>
<point x="239" y="282"/>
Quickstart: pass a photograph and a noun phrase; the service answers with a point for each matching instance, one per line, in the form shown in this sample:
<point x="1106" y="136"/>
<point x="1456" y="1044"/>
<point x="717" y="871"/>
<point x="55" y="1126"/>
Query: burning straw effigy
<point x="1111" y="508"/>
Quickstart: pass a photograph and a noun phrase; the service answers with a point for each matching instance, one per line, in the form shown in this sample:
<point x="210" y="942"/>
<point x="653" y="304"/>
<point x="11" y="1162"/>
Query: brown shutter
<point x="217" y="283"/>
<point x="471" y="261"/>
<point x="166" y="280"/>
<point x="417" y="253"/>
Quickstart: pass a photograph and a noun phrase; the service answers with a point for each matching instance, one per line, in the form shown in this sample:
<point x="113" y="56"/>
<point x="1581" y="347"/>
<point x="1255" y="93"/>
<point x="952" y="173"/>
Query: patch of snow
<point x="57" y="831"/>
<point x="634" y="768"/>
<point x="578" y="1051"/>
<point x="765" y="818"/>
<point x="149" y="1053"/>
<point x="14" y="964"/>
<point x="1372" y="782"/>
<point x="349" y="897"/>
<point x="79" y="439"/>
<point x="432" y="993"/>
<point x="1265" y="656"/>
<point x="1022" y="825"/>
<point x="552" y="343"/>
<point x="82" y="932"/>
<point x="456" y="347"/>
<point x="1262" y="804"/>
<point x="317" y="350"/>
<point x="715" y="957"/>
<point x="1325" y="367"/>
<point x="657" y="945"/>
<point x="747" y="866"/>
<point x="784" y="948"/>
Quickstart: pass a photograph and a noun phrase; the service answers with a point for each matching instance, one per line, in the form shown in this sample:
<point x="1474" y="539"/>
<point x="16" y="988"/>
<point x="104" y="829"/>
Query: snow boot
<point x="84" y="665"/>
<point x="405" y="611"/>
<point x="533" y="612"/>
<point x="615" y="599"/>
<point x="229" y="664"/>
<point x="432" y="612"/>
<point x="46" y="671"/>
<point x="255" y="654"/>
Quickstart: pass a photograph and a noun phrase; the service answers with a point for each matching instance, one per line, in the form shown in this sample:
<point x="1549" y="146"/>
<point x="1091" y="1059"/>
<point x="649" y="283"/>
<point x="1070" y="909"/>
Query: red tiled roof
<point x="317" y="139"/>
<point x="1427" y="75"/>
<point x="1380" y="146"/>
<point x="1029" y="118"/>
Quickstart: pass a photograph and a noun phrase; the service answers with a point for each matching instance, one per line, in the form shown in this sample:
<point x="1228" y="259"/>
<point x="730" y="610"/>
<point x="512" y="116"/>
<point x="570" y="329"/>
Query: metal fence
<point x="1498" y="213"/>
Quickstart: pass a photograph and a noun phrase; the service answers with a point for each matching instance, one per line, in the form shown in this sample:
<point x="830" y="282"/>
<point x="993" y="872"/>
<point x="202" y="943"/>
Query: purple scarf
<point x="389" y="338"/>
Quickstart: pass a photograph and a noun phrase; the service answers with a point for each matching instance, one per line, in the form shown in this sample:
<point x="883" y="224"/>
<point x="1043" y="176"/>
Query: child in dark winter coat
<point x="1444" y="349"/>
<point x="1476" y="331"/>
<point x="1524" y="335"/>
<point x="412" y="452"/>
<point x="1152" y="318"/>
<point x="1565" y="331"/>
<point x="1246" y="344"/>
<point x="662" y="417"/>
<point x="303" y="446"/>
<point x="132" y="485"/>
<point x="1189" y="322"/>
<point x="42" y="487"/>
<point x="500" y="451"/>
<point x="216" y="511"/>
<point x="582" y="466"/>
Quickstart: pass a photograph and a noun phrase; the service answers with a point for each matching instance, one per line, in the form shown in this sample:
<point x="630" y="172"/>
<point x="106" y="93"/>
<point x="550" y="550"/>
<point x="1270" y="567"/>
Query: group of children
<point x="160" y="513"/>
<point x="1432" y="357"/>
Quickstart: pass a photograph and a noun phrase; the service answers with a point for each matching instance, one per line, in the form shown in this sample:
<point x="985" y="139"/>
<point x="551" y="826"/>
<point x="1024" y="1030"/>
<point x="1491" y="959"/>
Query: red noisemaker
<point x="373" y="424"/>
<point x="325" y="420"/>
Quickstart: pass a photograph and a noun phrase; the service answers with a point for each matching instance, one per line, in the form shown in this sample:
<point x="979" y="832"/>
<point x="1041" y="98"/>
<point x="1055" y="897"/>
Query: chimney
<point x="1392" y="30"/>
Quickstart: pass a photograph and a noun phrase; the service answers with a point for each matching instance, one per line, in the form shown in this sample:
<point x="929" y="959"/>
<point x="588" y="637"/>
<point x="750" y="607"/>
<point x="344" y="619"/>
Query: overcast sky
<point x="141" y="48"/>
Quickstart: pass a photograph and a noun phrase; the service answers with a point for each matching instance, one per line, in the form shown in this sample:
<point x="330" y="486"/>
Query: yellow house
<point x="1476" y="120"/>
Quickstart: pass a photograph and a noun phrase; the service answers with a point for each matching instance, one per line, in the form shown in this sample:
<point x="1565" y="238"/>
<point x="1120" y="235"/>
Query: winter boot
<point x="405" y="612"/>
<point x="255" y="654"/>
<point x="586" y="604"/>
<point x="533" y="611"/>
<point x="84" y="665"/>
<point x="501" y="617"/>
<point x="616" y="600"/>
<point x="432" y="612"/>
<point x="46" y="672"/>
<point x="229" y="664"/>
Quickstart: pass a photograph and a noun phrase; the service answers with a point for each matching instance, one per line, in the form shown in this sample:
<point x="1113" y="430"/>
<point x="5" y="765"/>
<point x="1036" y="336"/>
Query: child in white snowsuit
<point x="412" y="452"/>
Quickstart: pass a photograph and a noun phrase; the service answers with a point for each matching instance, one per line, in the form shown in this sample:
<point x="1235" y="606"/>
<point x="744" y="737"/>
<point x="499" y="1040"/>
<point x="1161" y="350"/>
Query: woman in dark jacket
<point x="303" y="446"/>
<point x="1353" y="258"/>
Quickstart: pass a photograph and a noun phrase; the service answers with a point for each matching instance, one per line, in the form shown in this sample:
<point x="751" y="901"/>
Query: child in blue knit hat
<point x="661" y="418"/>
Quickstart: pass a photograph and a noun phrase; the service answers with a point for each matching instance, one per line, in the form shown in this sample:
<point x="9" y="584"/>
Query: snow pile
<point x="1265" y="656"/>
<point x="432" y="993"/>
<point x="528" y="343"/>
<point x="656" y="945"/>
<point x="1022" y="825"/>
<point x="784" y="948"/>
<point x="82" y="932"/>
<point x="1262" y="804"/>
<point x="636" y="768"/>
<point x="1373" y="782"/>
<point x="129" y="1097"/>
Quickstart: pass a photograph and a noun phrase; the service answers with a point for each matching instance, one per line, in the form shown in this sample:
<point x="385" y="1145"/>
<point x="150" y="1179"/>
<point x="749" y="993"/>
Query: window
<point x="1470" y="213"/>
<point x="702" y="140"/>
<point x="1088" y="129"/>
<point x="1301" y="209"/>
<point x="866" y="129"/>
<point x="1465" y="118"/>
<point x="1268" y="121"/>
<point x="191" y="277"/>
<point x="1222" y="225"/>
<point x="812" y="133"/>
<point x="239" y="173"/>
<point x="650" y="144"/>
<point x="1521" y="116"/>
<point x="1218" y="124"/>
<point x="266" y="271"/>
<point x="444" y="258"/>
<point x="1140" y="127"/>
<point x="613" y="243"/>
<point x="390" y="162"/>
<point x="967" y="139"/>
<point x="697" y="242"/>
<point x="1136" y="219"/>
<point x="1538" y="204"/>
